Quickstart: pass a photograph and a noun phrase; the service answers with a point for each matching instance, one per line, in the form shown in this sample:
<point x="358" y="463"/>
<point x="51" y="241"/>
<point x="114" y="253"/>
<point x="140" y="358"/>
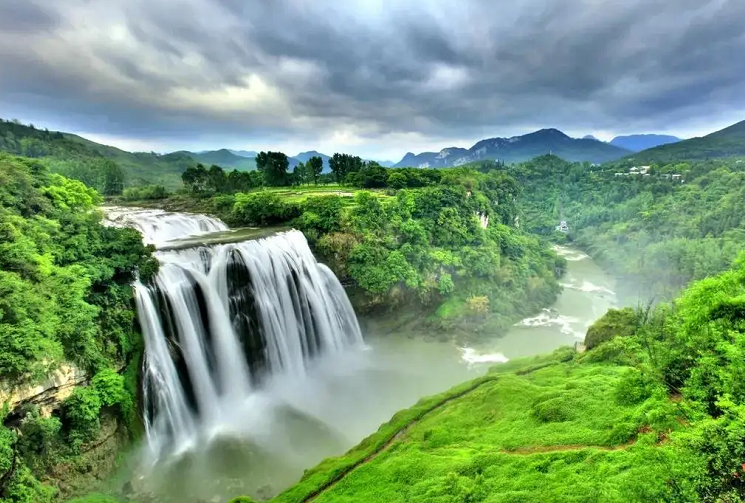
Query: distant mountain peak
<point x="589" y="137"/>
<point x="517" y="149"/>
<point x="639" y="142"/>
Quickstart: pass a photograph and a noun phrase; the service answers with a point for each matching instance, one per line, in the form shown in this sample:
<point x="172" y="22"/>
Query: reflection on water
<point x="292" y="424"/>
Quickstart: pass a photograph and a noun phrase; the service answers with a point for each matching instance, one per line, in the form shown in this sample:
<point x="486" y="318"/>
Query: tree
<point x="397" y="180"/>
<point x="315" y="168"/>
<point x="195" y="178"/>
<point x="273" y="166"/>
<point x="301" y="173"/>
<point x="113" y="178"/>
<point x="216" y="180"/>
<point x="343" y="164"/>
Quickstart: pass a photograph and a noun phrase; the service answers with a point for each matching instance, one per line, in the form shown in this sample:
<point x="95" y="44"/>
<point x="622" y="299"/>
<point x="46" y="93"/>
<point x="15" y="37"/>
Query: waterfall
<point x="159" y="227"/>
<point x="218" y="321"/>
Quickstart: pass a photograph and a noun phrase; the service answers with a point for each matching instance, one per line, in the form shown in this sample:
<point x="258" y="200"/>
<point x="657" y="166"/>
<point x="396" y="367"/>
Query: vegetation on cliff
<point x="65" y="297"/>
<point x="684" y="221"/>
<point x="443" y="242"/>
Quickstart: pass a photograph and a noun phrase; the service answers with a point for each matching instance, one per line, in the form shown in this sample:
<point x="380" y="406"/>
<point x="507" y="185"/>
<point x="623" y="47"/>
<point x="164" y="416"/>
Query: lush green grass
<point x="300" y="194"/>
<point x="534" y="430"/>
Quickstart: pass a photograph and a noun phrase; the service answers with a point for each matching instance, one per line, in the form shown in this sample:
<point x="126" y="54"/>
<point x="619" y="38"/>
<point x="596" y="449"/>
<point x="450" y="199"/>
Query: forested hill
<point x="105" y="168"/>
<point x="518" y="149"/>
<point x="65" y="300"/>
<point x="223" y="158"/>
<point x="729" y="142"/>
<point x="679" y="222"/>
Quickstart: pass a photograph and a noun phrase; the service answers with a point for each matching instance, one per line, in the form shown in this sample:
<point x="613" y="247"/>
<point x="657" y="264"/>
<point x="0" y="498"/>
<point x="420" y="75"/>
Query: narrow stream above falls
<point x="265" y="313"/>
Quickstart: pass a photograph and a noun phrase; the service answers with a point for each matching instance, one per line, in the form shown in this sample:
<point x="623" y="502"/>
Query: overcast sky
<point x="371" y="77"/>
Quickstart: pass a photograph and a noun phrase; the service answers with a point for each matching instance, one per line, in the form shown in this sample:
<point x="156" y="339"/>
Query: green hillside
<point x="88" y="161"/>
<point x="223" y="158"/>
<point x="729" y="142"/>
<point x="652" y="412"/>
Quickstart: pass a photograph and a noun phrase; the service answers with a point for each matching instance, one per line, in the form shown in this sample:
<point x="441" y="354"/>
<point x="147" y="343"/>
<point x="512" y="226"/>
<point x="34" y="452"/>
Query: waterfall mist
<point x="221" y="320"/>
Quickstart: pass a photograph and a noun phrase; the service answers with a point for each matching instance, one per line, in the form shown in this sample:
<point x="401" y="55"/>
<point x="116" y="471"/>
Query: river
<point x="291" y="423"/>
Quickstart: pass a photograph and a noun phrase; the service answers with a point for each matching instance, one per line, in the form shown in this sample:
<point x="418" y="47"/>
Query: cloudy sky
<point x="372" y="77"/>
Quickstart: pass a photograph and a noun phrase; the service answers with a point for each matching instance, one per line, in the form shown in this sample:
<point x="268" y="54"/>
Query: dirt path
<point x="401" y="432"/>
<point x="331" y="483"/>
<point x="537" y="449"/>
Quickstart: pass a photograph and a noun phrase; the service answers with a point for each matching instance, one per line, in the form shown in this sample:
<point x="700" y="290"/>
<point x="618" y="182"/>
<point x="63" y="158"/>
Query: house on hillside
<point x="563" y="227"/>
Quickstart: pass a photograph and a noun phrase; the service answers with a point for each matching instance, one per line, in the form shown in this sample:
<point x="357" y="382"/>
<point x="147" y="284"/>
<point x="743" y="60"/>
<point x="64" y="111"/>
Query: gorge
<point x="255" y="367"/>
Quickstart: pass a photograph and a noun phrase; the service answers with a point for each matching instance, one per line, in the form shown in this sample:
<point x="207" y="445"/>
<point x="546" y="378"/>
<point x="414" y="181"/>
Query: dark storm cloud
<point x="22" y="15"/>
<point x="443" y="68"/>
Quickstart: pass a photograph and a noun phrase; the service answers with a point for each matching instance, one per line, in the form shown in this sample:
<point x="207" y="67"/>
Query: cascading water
<point x="159" y="227"/>
<point x="219" y="320"/>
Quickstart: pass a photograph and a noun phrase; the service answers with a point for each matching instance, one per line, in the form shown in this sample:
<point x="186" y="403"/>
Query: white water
<point x="158" y="227"/>
<point x="221" y="319"/>
<point x="588" y="294"/>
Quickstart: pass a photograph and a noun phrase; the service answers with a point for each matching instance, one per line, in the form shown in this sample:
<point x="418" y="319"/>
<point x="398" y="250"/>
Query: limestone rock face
<point x="47" y="395"/>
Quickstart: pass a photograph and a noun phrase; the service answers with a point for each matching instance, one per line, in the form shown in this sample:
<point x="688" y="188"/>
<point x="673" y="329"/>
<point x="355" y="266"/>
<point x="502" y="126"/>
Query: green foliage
<point x="343" y="165"/>
<point x="479" y="442"/>
<point x="425" y="245"/>
<point x="80" y="414"/>
<point x="614" y="323"/>
<point x="654" y="232"/>
<point x="146" y="193"/>
<point x="107" y="169"/>
<point x="273" y="166"/>
<point x="660" y="416"/>
<point x="263" y="208"/>
<point x="65" y="297"/>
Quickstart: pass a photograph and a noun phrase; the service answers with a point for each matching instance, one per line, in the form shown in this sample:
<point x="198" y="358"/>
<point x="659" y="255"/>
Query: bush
<point x="320" y="214"/>
<point x="263" y="208"/>
<point x="634" y="387"/>
<point x="553" y="410"/>
<point x="146" y="193"/>
<point x="614" y="323"/>
<point x="80" y="415"/>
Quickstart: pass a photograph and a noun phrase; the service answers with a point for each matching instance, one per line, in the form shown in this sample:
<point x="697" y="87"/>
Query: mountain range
<point x="728" y="142"/>
<point x="518" y="149"/>
<point x="65" y="151"/>
<point x="639" y="142"/>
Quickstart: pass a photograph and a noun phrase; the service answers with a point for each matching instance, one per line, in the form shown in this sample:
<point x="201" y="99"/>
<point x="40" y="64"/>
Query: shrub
<point x="553" y="410"/>
<point x="146" y="193"/>
<point x="263" y="208"/>
<point x="80" y="415"/>
<point x="616" y="322"/>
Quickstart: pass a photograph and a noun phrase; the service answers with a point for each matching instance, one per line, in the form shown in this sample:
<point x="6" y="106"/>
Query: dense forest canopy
<point x="657" y="231"/>
<point x="65" y="298"/>
<point x="446" y="241"/>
